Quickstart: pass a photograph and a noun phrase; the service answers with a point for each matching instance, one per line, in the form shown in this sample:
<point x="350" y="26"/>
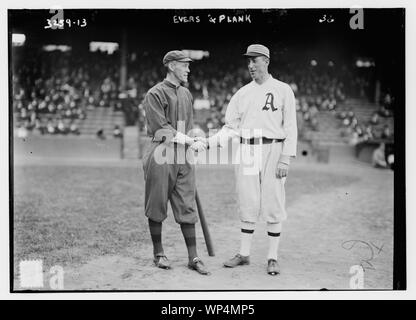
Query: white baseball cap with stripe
<point x="255" y="50"/>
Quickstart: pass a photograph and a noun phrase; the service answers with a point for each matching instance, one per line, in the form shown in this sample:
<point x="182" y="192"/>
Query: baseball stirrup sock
<point x="156" y="234"/>
<point x="273" y="232"/>
<point x="188" y="231"/>
<point x="247" y="230"/>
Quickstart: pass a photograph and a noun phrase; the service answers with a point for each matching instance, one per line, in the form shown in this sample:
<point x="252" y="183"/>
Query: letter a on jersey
<point x="269" y="102"/>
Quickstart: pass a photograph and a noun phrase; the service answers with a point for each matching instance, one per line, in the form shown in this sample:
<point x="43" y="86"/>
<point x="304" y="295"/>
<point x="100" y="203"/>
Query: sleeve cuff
<point x="164" y="135"/>
<point x="284" y="159"/>
<point x="179" y="138"/>
<point x="182" y="139"/>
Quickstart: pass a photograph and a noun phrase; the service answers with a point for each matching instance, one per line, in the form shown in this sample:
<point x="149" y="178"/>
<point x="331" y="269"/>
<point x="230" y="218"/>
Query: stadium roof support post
<point x="123" y="62"/>
<point x="377" y="91"/>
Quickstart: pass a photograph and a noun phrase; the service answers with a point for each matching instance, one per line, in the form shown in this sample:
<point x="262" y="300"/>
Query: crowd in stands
<point x="314" y="90"/>
<point x="52" y="91"/>
<point x="366" y="130"/>
<point x="386" y="106"/>
<point x="383" y="156"/>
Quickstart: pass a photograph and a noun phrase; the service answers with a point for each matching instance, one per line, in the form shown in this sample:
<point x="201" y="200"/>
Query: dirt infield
<point x="89" y="220"/>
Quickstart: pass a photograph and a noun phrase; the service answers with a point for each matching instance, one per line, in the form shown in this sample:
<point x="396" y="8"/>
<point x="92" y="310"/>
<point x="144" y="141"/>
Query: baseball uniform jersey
<point x="167" y="107"/>
<point x="261" y="110"/>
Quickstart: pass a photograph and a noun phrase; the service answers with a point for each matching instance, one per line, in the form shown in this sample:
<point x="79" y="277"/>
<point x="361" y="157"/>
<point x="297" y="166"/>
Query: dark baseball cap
<point x="256" y="50"/>
<point x="176" y="55"/>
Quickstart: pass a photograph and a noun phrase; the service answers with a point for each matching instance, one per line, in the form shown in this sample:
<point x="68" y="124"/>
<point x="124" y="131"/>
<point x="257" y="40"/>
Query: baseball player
<point x="169" y="114"/>
<point x="262" y="115"/>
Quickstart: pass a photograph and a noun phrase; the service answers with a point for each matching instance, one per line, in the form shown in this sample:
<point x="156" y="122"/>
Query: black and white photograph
<point x="207" y="149"/>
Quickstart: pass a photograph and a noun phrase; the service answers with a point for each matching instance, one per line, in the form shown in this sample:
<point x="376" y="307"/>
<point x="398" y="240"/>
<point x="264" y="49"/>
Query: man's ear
<point x="171" y="65"/>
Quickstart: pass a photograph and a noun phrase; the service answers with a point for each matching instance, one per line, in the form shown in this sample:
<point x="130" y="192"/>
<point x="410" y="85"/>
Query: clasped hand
<point x="200" y="144"/>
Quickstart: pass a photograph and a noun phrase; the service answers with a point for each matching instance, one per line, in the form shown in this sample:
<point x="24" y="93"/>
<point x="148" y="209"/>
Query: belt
<point x="262" y="140"/>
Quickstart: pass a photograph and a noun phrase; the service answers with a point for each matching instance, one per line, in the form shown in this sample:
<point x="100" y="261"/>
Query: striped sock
<point x="247" y="231"/>
<point x="273" y="232"/>
<point x="188" y="231"/>
<point x="156" y="235"/>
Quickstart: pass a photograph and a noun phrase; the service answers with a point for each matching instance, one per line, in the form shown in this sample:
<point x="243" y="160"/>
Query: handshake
<point x="200" y="144"/>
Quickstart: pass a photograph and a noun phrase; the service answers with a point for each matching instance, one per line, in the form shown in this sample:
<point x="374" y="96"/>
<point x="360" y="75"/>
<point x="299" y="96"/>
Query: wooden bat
<point x="204" y="226"/>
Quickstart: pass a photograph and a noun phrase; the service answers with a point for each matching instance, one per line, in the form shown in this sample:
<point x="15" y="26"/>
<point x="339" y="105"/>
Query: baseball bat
<point x="204" y="226"/>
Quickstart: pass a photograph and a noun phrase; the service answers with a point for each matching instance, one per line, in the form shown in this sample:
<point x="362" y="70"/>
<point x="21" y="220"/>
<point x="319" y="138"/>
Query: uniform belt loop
<point x="262" y="140"/>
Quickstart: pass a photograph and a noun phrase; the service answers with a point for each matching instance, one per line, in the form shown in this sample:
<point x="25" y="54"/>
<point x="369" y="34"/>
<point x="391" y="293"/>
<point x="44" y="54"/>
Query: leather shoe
<point x="238" y="260"/>
<point x="273" y="267"/>
<point x="197" y="265"/>
<point x="161" y="261"/>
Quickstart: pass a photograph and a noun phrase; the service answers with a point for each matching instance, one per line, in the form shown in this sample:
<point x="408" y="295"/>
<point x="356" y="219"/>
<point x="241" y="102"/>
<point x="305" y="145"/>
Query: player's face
<point x="257" y="66"/>
<point x="180" y="71"/>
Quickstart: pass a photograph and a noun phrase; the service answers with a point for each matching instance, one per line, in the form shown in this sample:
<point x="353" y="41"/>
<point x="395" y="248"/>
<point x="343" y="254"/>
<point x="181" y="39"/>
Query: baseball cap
<point x="176" y="55"/>
<point x="255" y="50"/>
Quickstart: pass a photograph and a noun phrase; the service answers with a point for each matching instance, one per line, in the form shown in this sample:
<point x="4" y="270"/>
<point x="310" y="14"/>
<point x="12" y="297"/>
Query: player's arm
<point x="231" y="128"/>
<point x="181" y="137"/>
<point x="291" y="130"/>
<point x="157" y="122"/>
<point x="195" y="142"/>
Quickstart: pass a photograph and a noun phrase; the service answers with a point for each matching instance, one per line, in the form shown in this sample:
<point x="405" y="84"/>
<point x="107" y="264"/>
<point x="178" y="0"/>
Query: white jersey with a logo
<point x="268" y="109"/>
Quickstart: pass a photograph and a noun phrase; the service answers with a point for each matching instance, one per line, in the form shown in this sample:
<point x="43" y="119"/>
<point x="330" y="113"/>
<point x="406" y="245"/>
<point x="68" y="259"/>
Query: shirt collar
<point x="270" y="78"/>
<point x="171" y="84"/>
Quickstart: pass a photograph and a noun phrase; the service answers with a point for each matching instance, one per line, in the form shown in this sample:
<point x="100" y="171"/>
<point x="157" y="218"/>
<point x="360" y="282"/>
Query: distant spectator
<point x="313" y="110"/>
<point x="354" y="122"/>
<point x="297" y="104"/>
<point x="390" y="155"/>
<point x="51" y="129"/>
<point x="74" y="129"/>
<point x="62" y="128"/>
<point x="100" y="134"/>
<point x="315" y="124"/>
<point x="117" y="132"/>
<point x="359" y="131"/>
<point x="379" y="157"/>
<point x="342" y="115"/>
<point x="388" y="101"/>
<point x="21" y="132"/>
<point x="386" y="133"/>
<point x="40" y="126"/>
<point x="354" y="138"/>
<point x="369" y="132"/>
<point x="374" y="119"/>
<point x="384" y="112"/>
<point x="332" y="104"/>
<point x="294" y="87"/>
<point x="345" y="132"/>
<point x="346" y="122"/>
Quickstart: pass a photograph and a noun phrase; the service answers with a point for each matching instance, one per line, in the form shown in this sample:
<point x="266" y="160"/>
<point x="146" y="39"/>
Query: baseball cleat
<point x="197" y="265"/>
<point x="238" y="260"/>
<point x="273" y="267"/>
<point x="161" y="261"/>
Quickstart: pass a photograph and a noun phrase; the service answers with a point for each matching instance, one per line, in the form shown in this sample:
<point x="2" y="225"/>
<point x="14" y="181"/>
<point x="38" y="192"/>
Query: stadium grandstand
<point x="89" y="83"/>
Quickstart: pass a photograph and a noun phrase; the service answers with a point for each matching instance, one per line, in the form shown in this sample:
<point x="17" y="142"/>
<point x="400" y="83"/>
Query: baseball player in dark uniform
<point x="169" y="115"/>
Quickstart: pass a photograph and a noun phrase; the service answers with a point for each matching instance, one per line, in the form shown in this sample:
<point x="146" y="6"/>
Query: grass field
<point x="90" y="220"/>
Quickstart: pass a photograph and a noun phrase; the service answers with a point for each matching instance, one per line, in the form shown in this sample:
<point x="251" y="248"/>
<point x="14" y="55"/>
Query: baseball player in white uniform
<point x="262" y="114"/>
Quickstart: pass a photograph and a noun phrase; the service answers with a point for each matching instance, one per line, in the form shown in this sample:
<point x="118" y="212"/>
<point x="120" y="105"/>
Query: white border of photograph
<point x="410" y="6"/>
